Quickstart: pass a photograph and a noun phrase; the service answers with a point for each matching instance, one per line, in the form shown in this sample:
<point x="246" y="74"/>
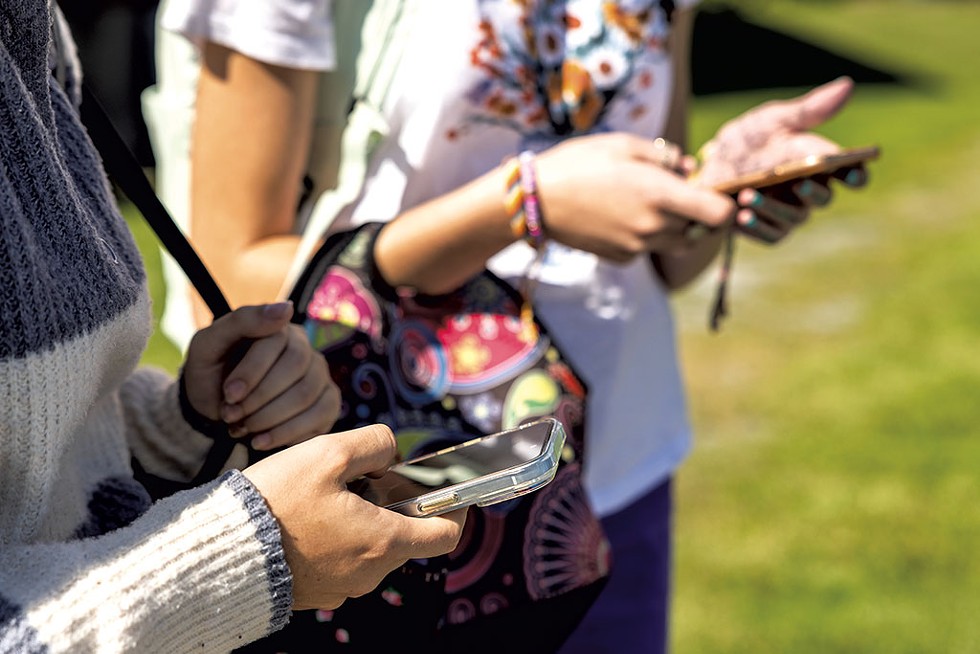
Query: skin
<point x="250" y="139"/>
<point x="346" y="545"/>
<point x="247" y="167"/>
<point x="280" y="392"/>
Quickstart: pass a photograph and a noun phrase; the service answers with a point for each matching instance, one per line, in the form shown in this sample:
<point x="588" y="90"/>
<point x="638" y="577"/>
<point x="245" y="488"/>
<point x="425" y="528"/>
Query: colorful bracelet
<point x="521" y="200"/>
<point x="534" y="228"/>
<point x="514" y="199"/>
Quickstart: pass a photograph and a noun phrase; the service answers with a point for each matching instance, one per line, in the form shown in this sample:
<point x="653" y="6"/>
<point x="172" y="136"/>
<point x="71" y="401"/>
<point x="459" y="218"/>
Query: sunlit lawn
<point x="832" y="503"/>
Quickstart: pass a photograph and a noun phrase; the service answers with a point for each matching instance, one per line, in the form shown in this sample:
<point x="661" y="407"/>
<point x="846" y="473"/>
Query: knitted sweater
<point x="87" y="563"/>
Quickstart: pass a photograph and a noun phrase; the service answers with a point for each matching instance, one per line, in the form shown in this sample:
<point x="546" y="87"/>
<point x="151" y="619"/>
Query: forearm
<point x="439" y="245"/>
<point x="249" y="148"/>
<point x="677" y="270"/>
<point x="202" y="571"/>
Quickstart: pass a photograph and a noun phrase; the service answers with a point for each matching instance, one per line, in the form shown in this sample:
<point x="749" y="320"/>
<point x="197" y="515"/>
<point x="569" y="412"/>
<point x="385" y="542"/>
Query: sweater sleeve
<point x="159" y="438"/>
<point x="202" y="571"/>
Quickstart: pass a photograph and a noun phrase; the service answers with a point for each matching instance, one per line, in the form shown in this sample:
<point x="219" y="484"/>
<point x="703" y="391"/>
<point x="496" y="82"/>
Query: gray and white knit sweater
<point x="86" y="562"/>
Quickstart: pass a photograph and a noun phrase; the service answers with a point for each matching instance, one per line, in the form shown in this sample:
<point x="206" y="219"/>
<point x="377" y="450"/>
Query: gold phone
<point x="791" y="170"/>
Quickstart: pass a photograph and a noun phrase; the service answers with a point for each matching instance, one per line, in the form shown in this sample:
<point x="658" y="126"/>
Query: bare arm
<point x="249" y="147"/>
<point x="439" y="245"/>
<point x="680" y="267"/>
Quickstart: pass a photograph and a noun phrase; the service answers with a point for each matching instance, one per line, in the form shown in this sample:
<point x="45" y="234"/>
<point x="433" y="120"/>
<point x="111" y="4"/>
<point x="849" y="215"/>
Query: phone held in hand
<point x="481" y="471"/>
<point x="807" y="167"/>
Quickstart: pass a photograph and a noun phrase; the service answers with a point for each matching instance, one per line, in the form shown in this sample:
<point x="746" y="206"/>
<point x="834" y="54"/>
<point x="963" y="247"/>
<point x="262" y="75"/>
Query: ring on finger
<point x="668" y="154"/>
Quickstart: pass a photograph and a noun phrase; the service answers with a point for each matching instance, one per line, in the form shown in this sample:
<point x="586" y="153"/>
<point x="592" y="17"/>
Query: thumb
<point x="244" y="323"/>
<point x="818" y="105"/>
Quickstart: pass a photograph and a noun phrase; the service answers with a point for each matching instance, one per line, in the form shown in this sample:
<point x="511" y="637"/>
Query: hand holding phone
<point x="481" y="471"/>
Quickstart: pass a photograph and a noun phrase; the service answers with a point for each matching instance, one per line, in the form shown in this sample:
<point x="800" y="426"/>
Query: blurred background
<point x="832" y="503"/>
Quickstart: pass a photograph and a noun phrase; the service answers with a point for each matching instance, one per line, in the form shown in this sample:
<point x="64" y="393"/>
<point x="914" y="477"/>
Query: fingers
<point x="311" y="415"/>
<point x="852" y="177"/>
<point x="813" y="193"/>
<point x="281" y="392"/>
<point x="213" y="343"/>
<point x="365" y="450"/>
<point x="766" y="218"/>
<point x="815" y="107"/>
<point x="660" y="152"/>
<point x="428" y="537"/>
<point x="703" y="205"/>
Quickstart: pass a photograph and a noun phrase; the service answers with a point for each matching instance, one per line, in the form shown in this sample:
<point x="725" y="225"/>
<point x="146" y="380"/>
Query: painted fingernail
<point x="235" y="391"/>
<point x="757" y="199"/>
<point x="277" y="310"/>
<point x="854" y="177"/>
<point x="750" y="221"/>
<point x="261" y="441"/>
<point x="237" y="431"/>
<point x="806" y="188"/>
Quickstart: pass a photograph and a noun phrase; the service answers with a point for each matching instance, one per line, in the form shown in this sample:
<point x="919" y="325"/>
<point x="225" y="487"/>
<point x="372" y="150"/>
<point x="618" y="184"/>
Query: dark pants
<point x="631" y="613"/>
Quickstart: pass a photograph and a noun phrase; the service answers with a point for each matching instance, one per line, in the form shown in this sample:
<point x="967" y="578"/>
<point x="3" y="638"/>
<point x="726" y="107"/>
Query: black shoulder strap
<point x="122" y="166"/>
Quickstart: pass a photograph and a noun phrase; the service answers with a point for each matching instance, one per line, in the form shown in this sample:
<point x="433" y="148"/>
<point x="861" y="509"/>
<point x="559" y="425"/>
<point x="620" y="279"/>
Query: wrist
<point x="216" y="429"/>
<point x="521" y="202"/>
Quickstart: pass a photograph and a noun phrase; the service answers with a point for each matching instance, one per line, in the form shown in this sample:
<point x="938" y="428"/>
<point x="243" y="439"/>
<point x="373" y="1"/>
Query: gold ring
<point x="668" y="154"/>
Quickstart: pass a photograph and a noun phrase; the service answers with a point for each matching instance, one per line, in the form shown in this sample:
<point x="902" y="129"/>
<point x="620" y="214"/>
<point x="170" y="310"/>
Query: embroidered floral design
<point x="554" y="67"/>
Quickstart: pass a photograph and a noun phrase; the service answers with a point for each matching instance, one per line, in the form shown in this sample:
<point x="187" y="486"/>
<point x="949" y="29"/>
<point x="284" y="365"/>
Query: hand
<point x="280" y="392"/>
<point x="774" y="133"/>
<point x="609" y="194"/>
<point x="338" y="545"/>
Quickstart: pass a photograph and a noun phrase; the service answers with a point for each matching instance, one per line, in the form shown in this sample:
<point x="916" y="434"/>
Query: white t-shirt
<point x="457" y="105"/>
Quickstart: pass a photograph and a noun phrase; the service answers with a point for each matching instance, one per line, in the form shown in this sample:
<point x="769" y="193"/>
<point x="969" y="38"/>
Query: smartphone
<point x="482" y="471"/>
<point x="813" y="165"/>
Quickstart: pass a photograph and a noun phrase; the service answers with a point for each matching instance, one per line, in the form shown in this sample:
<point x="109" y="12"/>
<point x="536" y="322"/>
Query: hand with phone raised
<point x="338" y="545"/>
<point x="776" y="167"/>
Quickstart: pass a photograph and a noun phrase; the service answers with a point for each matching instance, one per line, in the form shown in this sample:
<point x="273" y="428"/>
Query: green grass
<point x="160" y="352"/>
<point x="831" y="503"/>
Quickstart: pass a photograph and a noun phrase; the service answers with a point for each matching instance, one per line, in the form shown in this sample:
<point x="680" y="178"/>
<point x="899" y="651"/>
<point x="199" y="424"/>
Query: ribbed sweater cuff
<point x="203" y="570"/>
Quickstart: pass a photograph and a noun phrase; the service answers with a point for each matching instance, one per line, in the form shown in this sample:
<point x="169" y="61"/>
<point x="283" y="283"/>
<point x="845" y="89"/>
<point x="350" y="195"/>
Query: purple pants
<point x="632" y="611"/>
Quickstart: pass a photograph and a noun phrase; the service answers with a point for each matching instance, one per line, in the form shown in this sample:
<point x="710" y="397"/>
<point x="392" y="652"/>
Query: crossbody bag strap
<point x="123" y="167"/>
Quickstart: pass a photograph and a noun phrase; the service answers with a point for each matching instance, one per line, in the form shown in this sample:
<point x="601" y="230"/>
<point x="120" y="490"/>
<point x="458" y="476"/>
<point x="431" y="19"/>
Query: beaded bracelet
<point x="521" y="200"/>
<point x="514" y="199"/>
<point x="532" y="209"/>
<point x="524" y="209"/>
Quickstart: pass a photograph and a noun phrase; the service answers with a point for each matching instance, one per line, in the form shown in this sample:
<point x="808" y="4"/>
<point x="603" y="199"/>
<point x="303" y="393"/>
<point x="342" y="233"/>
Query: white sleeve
<point x="201" y="571"/>
<point x="291" y="33"/>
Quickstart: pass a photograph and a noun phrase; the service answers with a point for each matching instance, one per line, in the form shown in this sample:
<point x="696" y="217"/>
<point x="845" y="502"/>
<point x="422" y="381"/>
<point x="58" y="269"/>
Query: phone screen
<point x="458" y="464"/>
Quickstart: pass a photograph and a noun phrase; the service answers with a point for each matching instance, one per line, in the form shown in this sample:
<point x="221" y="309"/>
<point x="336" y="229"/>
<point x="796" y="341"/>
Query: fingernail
<point x="806" y="188"/>
<point x="750" y="221"/>
<point x="854" y="177"/>
<point x="231" y="413"/>
<point x="277" y="310"/>
<point x="235" y="391"/>
<point x="237" y="431"/>
<point x="261" y="441"/>
<point x="757" y="199"/>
